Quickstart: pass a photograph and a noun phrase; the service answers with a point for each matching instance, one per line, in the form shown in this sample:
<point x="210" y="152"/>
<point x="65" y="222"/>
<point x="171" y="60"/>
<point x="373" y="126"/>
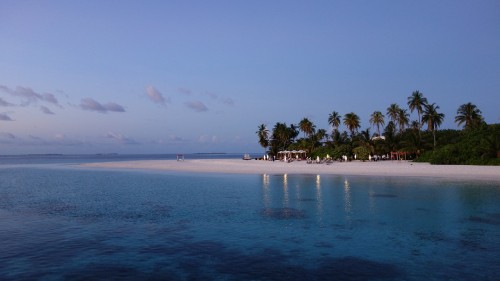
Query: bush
<point x="424" y="157"/>
<point x="361" y="152"/>
<point x="476" y="146"/>
<point x="446" y="155"/>
<point x="343" y="149"/>
<point x="322" y="152"/>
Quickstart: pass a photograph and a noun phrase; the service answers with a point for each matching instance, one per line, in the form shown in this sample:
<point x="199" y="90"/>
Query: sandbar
<point x="379" y="168"/>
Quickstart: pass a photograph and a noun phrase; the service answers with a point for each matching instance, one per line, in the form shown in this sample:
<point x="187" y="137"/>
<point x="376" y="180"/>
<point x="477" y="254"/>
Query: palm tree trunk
<point x="434" y="136"/>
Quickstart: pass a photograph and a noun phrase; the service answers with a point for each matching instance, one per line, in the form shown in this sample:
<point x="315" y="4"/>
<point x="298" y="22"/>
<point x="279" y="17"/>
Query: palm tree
<point x="415" y="125"/>
<point x="281" y="137"/>
<point x="321" y="134"/>
<point x="365" y="139"/>
<point x="377" y="119"/>
<point x="417" y="101"/>
<point x="393" y="112"/>
<point x="339" y="138"/>
<point x="263" y="134"/>
<point x="403" y="119"/>
<point x="351" y="121"/>
<point x="334" y="120"/>
<point x="469" y="115"/>
<point x="390" y="136"/>
<point x="307" y="127"/>
<point x="294" y="131"/>
<point x="432" y="118"/>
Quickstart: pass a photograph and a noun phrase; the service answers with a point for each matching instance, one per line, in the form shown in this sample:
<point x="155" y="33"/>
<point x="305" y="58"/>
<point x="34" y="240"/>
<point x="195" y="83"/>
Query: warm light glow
<point x="265" y="180"/>
<point x="265" y="192"/>
<point x="318" y="197"/>
<point x="347" y="197"/>
<point x="285" y="190"/>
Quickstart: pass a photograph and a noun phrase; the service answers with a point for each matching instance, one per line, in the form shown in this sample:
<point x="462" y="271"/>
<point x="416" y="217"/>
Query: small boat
<point x="246" y="157"/>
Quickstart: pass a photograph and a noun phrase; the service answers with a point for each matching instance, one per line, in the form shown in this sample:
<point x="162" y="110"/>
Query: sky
<point x="102" y="76"/>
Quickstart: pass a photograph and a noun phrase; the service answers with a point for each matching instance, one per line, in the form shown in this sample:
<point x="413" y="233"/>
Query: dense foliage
<point x="476" y="144"/>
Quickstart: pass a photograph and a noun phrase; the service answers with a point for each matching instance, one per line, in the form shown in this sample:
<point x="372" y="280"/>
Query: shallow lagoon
<point x="59" y="222"/>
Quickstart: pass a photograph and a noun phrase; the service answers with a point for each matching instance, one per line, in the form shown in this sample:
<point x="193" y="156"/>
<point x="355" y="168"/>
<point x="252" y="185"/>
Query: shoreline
<point x="388" y="168"/>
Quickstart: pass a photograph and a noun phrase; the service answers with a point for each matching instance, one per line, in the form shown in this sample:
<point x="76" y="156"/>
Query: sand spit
<point x="381" y="168"/>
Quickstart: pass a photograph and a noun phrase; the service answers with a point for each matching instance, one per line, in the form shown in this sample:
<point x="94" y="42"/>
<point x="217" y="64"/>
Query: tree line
<point x="421" y="139"/>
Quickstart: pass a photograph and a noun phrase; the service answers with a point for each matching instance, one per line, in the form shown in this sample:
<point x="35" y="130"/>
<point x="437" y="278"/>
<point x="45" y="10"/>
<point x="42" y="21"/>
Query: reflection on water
<point x="88" y="225"/>
<point x="318" y="197"/>
<point x="347" y="199"/>
<point x="265" y="193"/>
<point x="285" y="191"/>
<point x="300" y="194"/>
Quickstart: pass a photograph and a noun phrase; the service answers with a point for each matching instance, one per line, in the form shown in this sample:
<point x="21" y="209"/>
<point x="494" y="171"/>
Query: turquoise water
<point x="61" y="222"/>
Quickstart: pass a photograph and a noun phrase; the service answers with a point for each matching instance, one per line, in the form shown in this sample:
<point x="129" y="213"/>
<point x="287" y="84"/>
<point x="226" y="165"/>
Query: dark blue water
<point x="61" y="222"/>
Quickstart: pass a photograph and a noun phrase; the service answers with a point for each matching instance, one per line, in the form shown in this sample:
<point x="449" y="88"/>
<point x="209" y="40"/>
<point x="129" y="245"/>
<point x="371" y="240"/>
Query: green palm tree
<point x="403" y="119"/>
<point x="417" y="102"/>
<point x="415" y="125"/>
<point x="377" y="119"/>
<point x="321" y="134"/>
<point x="307" y="127"/>
<point x="469" y="115"/>
<point x="281" y="137"/>
<point x="391" y="139"/>
<point x="294" y="131"/>
<point x="263" y="134"/>
<point x="351" y="121"/>
<point x="334" y="120"/>
<point x="393" y="112"/>
<point x="364" y="138"/>
<point x="432" y="118"/>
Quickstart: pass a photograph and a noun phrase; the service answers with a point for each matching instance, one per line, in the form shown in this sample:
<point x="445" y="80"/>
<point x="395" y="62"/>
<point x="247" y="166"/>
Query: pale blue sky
<point x="200" y="76"/>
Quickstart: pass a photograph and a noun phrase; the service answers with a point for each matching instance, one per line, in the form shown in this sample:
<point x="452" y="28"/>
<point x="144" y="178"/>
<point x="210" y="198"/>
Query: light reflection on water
<point x="265" y="188"/>
<point x="74" y="224"/>
<point x="318" y="198"/>
<point x="285" y="191"/>
<point x="347" y="199"/>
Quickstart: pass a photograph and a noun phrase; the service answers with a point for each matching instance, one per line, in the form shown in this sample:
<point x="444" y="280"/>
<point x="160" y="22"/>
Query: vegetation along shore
<point x="477" y="143"/>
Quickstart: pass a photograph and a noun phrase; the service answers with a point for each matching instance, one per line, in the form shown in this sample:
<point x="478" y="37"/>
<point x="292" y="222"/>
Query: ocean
<point x="62" y="221"/>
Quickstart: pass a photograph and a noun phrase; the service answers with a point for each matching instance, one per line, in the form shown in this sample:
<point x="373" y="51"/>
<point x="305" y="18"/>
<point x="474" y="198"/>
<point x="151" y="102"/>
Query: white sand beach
<point x="380" y="168"/>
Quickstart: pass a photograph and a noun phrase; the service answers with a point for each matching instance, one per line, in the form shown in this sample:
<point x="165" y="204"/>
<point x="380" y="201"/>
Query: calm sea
<point x="59" y="221"/>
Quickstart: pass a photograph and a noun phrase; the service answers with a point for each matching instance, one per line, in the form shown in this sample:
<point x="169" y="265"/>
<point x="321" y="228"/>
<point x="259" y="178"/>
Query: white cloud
<point x="155" y="96"/>
<point x="92" y="105"/>
<point x="5" y="117"/>
<point x="197" y="106"/>
<point x="29" y="96"/>
<point x="5" y="103"/>
<point x="121" y="139"/>
<point x="46" y="110"/>
<point x="49" y="98"/>
<point x="111" y="106"/>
